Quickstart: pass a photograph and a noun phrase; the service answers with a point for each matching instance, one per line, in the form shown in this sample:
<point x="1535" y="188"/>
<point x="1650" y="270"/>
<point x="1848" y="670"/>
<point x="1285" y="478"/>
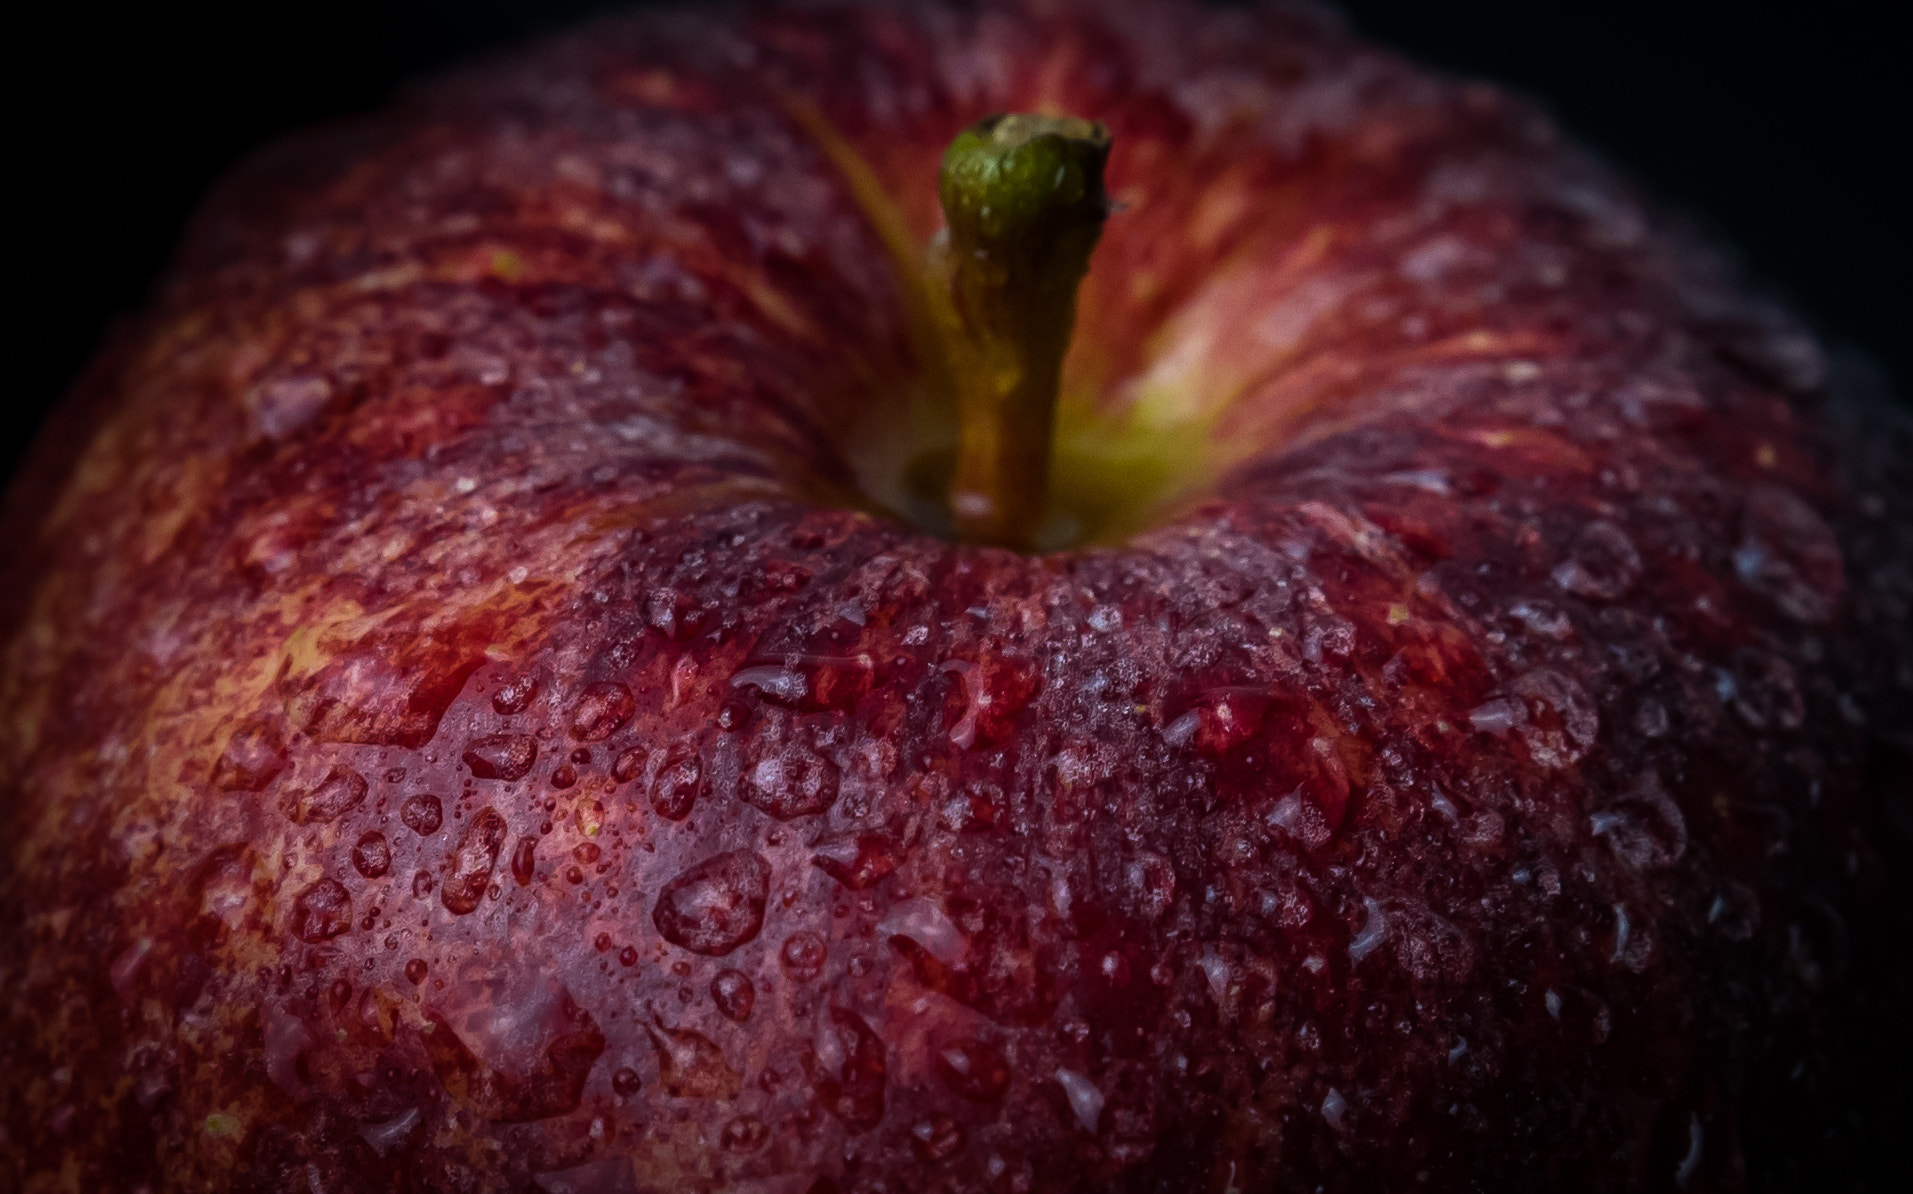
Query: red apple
<point x="469" y="723"/>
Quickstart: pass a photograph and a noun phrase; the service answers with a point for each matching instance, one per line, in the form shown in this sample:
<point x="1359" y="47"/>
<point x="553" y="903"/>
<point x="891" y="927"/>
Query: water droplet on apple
<point x="339" y="793"/>
<point x="1602" y="565"/>
<point x="1633" y="942"/>
<point x="126" y="967"/>
<point x="371" y="855"/>
<point x="625" y="1082"/>
<point x="1645" y="828"/>
<point x="733" y="994"/>
<point x="745" y="1134"/>
<point x="1300" y="819"/>
<point x="1085" y="1100"/>
<point x="501" y="756"/>
<point x="389" y="1134"/>
<point x="1763" y="691"/>
<point x="629" y="764"/>
<point x="690" y="1064"/>
<point x="1735" y="911"/>
<point x="514" y="695"/>
<point x="423" y="814"/>
<point x="285" y="1040"/>
<point x="1562" y="720"/>
<point x="850" y="1070"/>
<point x="415" y="971"/>
<point x="803" y="956"/>
<point x="858" y="861"/>
<point x="795" y="782"/>
<point x="254" y="755"/>
<point x="923" y="921"/>
<point x="1789" y="555"/>
<point x="935" y="1140"/>
<point x="322" y="911"/>
<point x="472" y="862"/>
<point x="1149" y="883"/>
<point x="715" y="906"/>
<point x="523" y="860"/>
<point x="679" y="782"/>
<point x="602" y="710"/>
<point x="1373" y="932"/>
<point x="974" y="1070"/>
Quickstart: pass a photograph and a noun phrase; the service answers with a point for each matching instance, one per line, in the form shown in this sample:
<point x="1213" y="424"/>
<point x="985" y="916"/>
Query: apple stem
<point x="1024" y="202"/>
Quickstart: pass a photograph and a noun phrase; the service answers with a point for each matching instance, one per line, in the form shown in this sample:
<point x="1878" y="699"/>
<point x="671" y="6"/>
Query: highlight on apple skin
<point x="489" y="703"/>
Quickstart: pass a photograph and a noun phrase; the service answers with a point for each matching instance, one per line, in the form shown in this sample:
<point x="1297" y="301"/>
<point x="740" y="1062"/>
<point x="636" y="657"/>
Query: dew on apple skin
<point x="794" y="782"/>
<point x="850" y="1070"/>
<point x="715" y="906"/>
<point x="1085" y="1098"/>
<point x="936" y="1140"/>
<point x="372" y="855"/>
<point x="501" y="756"/>
<point x="1562" y="720"/>
<point x="322" y="911"/>
<point x="602" y="710"/>
<point x="416" y="970"/>
<point x="1499" y="716"/>
<point x="679" y="782"/>
<point x="472" y="862"/>
<point x="803" y="956"/>
<point x="1602" y="565"/>
<point x="1373" y="932"/>
<point x="126" y="967"/>
<point x="1300" y="819"/>
<point x="974" y="1070"/>
<point x="921" y="919"/>
<point x="285" y="1040"/>
<point x="1789" y="555"/>
<point x="1650" y="719"/>
<point x="1149" y="884"/>
<point x="1762" y="690"/>
<point x="389" y="1134"/>
<point x="625" y="1082"/>
<point x="342" y="790"/>
<point x="1645" y="828"/>
<point x="514" y="695"/>
<point x="422" y="814"/>
<point x="524" y="860"/>
<point x="1335" y="1109"/>
<point x="745" y="1134"/>
<point x="857" y="861"/>
<point x="629" y="764"/>
<point x="734" y="995"/>
<point x="1734" y="912"/>
<point x="690" y="1064"/>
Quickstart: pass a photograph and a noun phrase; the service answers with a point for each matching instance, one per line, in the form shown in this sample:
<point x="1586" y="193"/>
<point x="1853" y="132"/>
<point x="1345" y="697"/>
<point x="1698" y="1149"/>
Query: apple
<point x="521" y="672"/>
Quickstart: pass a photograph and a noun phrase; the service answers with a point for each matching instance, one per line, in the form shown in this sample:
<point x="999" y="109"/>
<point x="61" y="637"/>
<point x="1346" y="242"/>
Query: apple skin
<point x="455" y="735"/>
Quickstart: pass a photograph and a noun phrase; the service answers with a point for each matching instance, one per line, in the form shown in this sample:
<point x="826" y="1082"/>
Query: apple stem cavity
<point x="1024" y="204"/>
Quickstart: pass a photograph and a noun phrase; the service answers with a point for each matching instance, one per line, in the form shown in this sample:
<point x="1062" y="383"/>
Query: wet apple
<point x="595" y="639"/>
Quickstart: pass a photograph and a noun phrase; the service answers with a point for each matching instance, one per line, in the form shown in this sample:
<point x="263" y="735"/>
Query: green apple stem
<point x="1024" y="202"/>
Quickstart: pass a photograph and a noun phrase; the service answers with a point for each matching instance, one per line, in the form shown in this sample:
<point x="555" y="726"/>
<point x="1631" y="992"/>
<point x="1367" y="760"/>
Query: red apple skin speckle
<point x="1493" y="777"/>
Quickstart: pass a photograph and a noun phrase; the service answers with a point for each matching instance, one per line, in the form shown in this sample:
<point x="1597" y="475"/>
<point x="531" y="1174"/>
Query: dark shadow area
<point x="1779" y="125"/>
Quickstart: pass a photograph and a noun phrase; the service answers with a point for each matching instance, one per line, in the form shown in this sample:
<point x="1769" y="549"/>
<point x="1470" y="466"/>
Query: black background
<point x="1783" y="126"/>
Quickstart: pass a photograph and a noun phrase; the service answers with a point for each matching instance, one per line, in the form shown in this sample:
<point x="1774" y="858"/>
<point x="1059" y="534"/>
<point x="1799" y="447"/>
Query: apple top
<point x="1025" y="192"/>
<point x="1024" y="201"/>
